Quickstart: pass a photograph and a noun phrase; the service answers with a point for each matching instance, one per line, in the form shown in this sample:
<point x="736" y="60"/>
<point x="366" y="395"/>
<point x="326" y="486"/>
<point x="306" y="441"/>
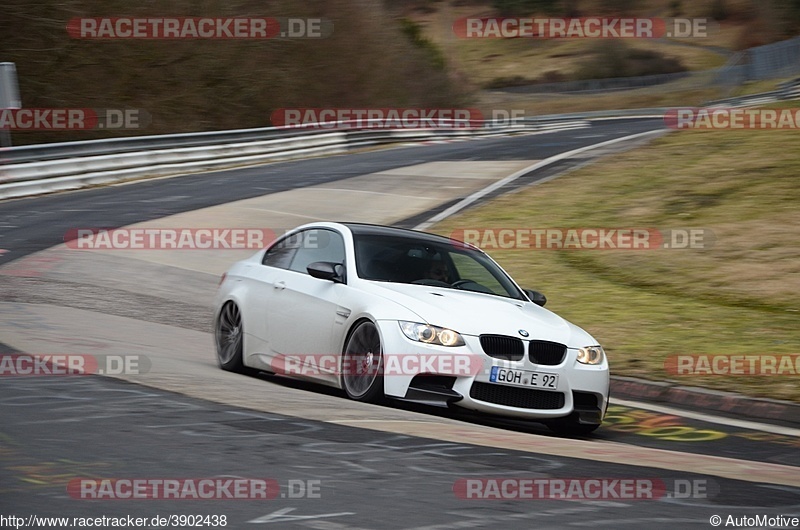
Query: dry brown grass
<point x="485" y="60"/>
<point x="741" y="295"/>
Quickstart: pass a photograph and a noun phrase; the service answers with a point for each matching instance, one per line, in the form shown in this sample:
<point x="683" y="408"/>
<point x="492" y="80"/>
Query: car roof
<point x="359" y="229"/>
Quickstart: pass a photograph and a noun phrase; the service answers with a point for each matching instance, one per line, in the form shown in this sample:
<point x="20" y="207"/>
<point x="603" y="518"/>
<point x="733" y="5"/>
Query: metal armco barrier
<point x="32" y="170"/>
<point x="45" y="168"/>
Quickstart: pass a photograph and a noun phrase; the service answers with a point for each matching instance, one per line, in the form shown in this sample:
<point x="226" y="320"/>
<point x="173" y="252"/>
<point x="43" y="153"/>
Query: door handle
<point x="280" y="286"/>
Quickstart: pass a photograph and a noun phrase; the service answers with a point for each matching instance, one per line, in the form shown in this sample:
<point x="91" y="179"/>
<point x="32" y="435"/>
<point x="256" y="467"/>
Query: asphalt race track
<point x="58" y="429"/>
<point x="328" y="463"/>
<point x="30" y="225"/>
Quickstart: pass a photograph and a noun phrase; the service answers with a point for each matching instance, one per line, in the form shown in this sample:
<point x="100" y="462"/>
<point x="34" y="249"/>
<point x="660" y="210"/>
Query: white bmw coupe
<point x="387" y="312"/>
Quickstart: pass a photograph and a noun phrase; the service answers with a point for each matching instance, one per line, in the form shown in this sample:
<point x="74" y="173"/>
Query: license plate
<point x="523" y="378"/>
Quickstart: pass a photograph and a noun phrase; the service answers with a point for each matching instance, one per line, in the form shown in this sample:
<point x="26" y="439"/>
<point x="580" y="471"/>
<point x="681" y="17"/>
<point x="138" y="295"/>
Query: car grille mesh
<point x="546" y="353"/>
<point x="503" y="347"/>
<point x="523" y="398"/>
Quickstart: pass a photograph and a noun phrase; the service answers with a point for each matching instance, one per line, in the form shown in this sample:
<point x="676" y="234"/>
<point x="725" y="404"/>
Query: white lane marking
<point x="730" y="422"/>
<point x="511" y="178"/>
<point x="280" y="516"/>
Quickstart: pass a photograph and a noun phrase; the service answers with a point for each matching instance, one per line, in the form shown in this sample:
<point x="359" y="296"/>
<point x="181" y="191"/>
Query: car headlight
<point x="591" y="355"/>
<point x="431" y="334"/>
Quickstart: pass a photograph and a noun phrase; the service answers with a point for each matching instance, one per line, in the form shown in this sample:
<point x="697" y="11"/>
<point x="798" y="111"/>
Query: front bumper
<point x="581" y="389"/>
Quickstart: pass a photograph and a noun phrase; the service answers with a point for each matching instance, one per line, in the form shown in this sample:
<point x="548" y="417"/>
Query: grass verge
<point x="740" y="296"/>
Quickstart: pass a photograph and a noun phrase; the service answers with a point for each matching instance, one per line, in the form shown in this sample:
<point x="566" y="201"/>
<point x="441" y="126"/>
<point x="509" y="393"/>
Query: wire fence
<point x="772" y="61"/>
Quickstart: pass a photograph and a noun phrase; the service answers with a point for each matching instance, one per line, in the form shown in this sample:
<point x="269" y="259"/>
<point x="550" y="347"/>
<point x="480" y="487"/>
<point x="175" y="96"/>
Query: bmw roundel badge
<point x="523" y="333"/>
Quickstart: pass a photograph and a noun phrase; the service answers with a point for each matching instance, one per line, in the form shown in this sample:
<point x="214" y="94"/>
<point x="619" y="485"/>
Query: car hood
<point x="475" y="314"/>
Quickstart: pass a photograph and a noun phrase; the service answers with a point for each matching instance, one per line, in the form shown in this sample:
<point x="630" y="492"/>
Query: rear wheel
<point x="362" y="364"/>
<point x="229" y="336"/>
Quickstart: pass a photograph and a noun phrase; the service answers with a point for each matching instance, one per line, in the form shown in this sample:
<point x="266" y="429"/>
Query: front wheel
<point x="362" y="364"/>
<point x="228" y="337"/>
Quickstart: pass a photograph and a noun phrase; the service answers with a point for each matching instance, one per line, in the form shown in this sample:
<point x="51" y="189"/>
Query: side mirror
<point x="536" y="297"/>
<point x="326" y="270"/>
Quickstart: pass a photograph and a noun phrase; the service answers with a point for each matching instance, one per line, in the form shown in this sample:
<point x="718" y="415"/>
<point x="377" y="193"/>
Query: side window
<point x="317" y="245"/>
<point x="280" y="255"/>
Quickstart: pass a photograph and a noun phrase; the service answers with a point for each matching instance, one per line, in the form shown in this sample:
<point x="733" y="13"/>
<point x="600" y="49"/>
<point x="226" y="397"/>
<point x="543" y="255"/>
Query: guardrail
<point x="31" y="170"/>
<point x="588" y="86"/>
<point x="785" y="91"/>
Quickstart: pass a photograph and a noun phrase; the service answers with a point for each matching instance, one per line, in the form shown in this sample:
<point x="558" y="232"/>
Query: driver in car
<point x="438" y="271"/>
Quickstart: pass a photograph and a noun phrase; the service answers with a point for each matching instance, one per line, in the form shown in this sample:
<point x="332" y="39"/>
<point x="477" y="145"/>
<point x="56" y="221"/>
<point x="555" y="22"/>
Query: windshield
<point x="414" y="261"/>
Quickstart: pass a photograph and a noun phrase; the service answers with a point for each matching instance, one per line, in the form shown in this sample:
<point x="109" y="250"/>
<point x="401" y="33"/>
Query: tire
<point x="229" y="338"/>
<point x="569" y="426"/>
<point x="362" y="364"/>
